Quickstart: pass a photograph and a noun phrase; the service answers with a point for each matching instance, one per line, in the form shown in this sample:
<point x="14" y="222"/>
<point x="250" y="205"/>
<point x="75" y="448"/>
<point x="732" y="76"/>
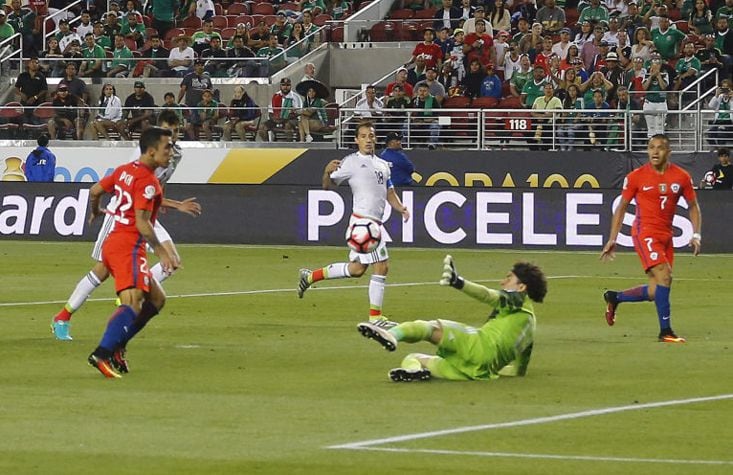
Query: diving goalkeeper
<point x="503" y="345"/>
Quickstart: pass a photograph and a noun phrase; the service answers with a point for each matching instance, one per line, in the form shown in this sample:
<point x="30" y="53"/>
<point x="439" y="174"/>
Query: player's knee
<point x="356" y="269"/>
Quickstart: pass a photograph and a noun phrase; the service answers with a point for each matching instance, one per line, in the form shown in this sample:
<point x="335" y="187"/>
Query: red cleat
<point x="611" y="299"/>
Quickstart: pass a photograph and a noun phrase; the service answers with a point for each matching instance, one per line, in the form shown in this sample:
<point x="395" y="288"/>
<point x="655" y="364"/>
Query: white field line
<point x="528" y="422"/>
<point x="586" y="458"/>
<point x="330" y="288"/>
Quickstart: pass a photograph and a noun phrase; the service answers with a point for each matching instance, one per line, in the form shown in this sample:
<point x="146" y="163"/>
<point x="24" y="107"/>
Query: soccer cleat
<point x="383" y="322"/>
<point x="670" y="337"/>
<point x="60" y="329"/>
<point x="401" y="375"/>
<point x="119" y="362"/>
<point x="381" y="335"/>
<point x="303" y="283"/>
<point x="103" y="365"/>
<point x="612" y="302"/>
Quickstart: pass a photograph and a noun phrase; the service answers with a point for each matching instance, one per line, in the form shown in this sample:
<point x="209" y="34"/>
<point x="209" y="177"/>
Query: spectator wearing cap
<point x="479" y="45"/>
<point x="448" y="15"/>
<point x="6" y="29"/>
<point x="561" y="47"/>
<point x="501" y="49"/>
<point x="667" y="40"/>
<point x="194" y="84"/>
<point x="551" y="17"/>
<point x="598" y="120"/>
<point x="112" y="26"/>
<point x="73" y="53"/>
<point x="158" y="54"/>
<point x="512" y="61"/>
<point x="521" y="76"/>
<point x="443" y="40"/>
<point x="654" y="15"/>
<point x="401" y="167"/>
<point x="180" y="59"/>
<point x="394" y="105"/>
<point x="400" y="80"/>
<point x="634" y="78"/>
<point x="435" y="88"/>
<point x="94" y="58"/>
<point x="534" y="87"/>
<point x="599" y="60"/>
<point x="499" y="17"/>
<point x="720" y="177"/>
<point x="40" y="165"/>
<point x="68" y="117"/>
<point x="622" y="49"/>
<point x="612" y="30"/>
<point x="121" y="64"/>
<point x="204" y="118"/>
<point x="428" y="50"/>
<point x="282" y="113"/>
<point x="202" y="38"/>
<point x="595" y="12"/>
<point x="473" y="80"/>
<point x="614" y="73"/>
<point x="449" y="79"/>
<point x="491" y="84"/>
<point x="137" y="115"/>
<point x="272" y="57"/>
<point x="424" y="120"/>
<point x="531" y="43"/>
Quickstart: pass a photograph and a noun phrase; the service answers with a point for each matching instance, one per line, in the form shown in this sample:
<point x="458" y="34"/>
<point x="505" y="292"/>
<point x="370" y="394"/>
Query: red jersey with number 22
<point x="134" y="187"/>
<point x="656" y="196"/>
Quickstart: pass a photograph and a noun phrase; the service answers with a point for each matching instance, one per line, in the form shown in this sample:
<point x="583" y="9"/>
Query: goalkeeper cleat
<point x="60" y="329"/>
<point x="383" y="322"/>
<point x="379" y="334"/>
<point x="612" y="302"/>
<point x="401" y="375"/>
<point x="303" y="283"/>
<point x="668" y="336"/>
<point x="119" y="362"/>
<point x="103" y="365"/>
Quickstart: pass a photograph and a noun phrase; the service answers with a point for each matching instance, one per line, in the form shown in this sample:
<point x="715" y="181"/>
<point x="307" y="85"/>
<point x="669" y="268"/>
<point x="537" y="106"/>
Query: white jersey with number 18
<point x="369" y="178"/>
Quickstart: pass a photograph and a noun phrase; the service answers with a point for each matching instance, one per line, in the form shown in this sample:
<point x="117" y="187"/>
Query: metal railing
<point x="63" y="12"/>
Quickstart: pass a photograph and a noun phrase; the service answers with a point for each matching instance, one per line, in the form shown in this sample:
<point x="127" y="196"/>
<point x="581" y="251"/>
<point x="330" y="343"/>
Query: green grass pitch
<point x="237" y="375"/>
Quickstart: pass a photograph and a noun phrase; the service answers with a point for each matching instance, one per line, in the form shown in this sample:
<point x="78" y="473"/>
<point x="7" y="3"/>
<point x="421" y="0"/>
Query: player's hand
<point x="609" y="251"/>
<point x="168" y="263"/>
<point x="93" y="215"/>
<point x="405" y="214"/>
<point x="695" y="244"/>
<point x="332" y="166"/>
<point x="450" y="276"/>
<point x="190" y="206"/>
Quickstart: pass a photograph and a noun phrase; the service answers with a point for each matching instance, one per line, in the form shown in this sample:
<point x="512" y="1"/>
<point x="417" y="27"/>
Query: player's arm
<point x="519" y="366"/>
<point x="95" y="195"/>
<point x="189" y="206"/>
<point x="395" y="202"/>
<point x="145" y="228"/>
<point x="696" y="219"/>
<point x="479" y="292"/>
<point x="331" y="167"/>
<point x="608" y="252"/>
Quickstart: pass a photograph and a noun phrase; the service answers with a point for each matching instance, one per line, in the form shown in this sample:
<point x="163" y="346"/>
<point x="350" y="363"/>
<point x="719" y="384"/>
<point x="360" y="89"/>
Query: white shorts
<point x="109" y="224"/>
<point x="379" y="254"/>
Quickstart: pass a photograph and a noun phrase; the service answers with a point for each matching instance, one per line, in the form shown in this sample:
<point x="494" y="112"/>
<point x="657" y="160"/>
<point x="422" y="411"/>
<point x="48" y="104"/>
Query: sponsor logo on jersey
<point x="675" y="187"/>
<point x="149" y="192"/>
<point x="662" y="187"/>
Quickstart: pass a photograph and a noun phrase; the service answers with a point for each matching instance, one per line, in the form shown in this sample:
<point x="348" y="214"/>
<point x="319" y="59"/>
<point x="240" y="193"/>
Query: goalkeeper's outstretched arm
<point x="479" y="292"/>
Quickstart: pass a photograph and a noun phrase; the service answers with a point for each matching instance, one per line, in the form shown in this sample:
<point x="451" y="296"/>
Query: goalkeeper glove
<point x="450" y="276"/>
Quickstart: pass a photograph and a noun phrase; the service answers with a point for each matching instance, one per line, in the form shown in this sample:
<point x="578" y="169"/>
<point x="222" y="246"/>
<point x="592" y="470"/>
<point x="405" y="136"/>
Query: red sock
<point x="374" y="313"/>
<point x="63" y="316"/>
<point x="317" y="275"/>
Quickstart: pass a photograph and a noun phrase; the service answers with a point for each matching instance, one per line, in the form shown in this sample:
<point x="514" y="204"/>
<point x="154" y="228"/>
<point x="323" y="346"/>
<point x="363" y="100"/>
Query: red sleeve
<point x="687" y="189"/>
<point x="144" y="192"/>
<point x="108" y="183"/>
<point x="631" y="185"/>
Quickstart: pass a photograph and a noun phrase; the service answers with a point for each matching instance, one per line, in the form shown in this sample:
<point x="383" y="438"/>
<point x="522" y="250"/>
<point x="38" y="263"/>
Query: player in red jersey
<point x="656" y="186"/>
<point x="138" y="195"/>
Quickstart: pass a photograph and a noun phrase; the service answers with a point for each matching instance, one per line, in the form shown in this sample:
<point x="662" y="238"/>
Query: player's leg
<point x="409" y="332"/>
<point x="661" y="275"/>
<point x="376" y="289"/>
<point x="421" y="367"/>
<point x="86" y="286"/>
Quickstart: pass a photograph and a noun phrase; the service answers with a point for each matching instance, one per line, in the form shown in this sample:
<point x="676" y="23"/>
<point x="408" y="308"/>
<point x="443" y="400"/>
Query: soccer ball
<point x="363" y="235"/>
<point x="710" y="179"/>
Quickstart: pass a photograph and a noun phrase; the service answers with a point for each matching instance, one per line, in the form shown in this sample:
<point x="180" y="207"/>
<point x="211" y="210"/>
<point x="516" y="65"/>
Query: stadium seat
<point x="227" y="33"/>
<point x="263" y="9"/>
<point x="292" y="6"/>
<point x="238" y="9"/>
<point x="11" y="116"/>
<point x="425" y="14"/>
<point x="337" y="34"/>
<point x="379" y="31"/>
<point x="234" y="21"/>
<point x="683" y="26"/>
<point x="406" y="31"/>
<point x="402" y="14"/>
<point x="675" y="14"/>
<point x="485" y="103"/>
<point x="150" y="32"/>
<point x="269" y="19"/>
<point x="147" y="21"/>
<point x="190" y="22"/>
<point x="41" y="115"/>
<point x="463" y="123"/>
<point x="571" y="16"/>
<point x="173" y="32"/>
<point x="510" y="103"/>
<point x="220" y="22"/>
<point x="321" y="19"/>
<point x="218" y="9"/>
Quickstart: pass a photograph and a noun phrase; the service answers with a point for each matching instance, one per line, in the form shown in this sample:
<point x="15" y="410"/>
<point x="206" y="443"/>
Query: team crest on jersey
<point x="662" y="187"/>
<point x="149" y="192"/>
<point x="675" y="188"/>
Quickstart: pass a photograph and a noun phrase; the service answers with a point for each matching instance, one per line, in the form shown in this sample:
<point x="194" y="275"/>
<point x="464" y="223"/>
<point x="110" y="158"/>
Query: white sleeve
<point x="342" y="173"/>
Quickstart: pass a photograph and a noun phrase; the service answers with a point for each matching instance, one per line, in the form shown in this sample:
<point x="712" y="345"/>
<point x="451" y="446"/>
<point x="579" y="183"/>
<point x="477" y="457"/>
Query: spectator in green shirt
<point x="164" y="13"/>
<point x="202" y="38"/>
<point x="6" y="29"/>
<point x="520" y="78"/>
<point x="205" y="118"/>
<point x="667" y="40"/>
<point x="594" y="13"/>
<point x="134" y="29"/>
<point x="121" y="63"/>
<point x="100" y="38"/>
<point x="276" y="60"/>
<point x="23" y="21"/>
<point x="533" y="88"/>
<point x="94" y="56"/>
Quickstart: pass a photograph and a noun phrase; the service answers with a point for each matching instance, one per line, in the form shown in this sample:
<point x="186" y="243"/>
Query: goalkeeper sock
<point x="661" y="300"/>
<point x="376" y="296"/>
<point x="411" y="363"/>
<point x="637" y="294"/>
<point x="412" y="332"/>
<point x="340" y="270"/>
<point x="81" y="293"/>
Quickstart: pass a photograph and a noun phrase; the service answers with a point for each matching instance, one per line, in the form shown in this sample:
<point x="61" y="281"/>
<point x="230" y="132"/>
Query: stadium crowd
<point x="514" y="54"/>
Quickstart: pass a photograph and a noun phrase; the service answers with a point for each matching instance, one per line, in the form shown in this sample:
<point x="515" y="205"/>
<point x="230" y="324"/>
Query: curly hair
<point x="533" y="277"/>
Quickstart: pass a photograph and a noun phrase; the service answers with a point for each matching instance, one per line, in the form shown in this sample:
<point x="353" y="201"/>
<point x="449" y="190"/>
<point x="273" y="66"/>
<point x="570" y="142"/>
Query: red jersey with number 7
<point x="134" y="186"/>
<point x="656" y="196"/>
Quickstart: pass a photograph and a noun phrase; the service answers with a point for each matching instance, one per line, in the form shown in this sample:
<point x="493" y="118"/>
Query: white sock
<point x="83" y="290"/>
<point x="157" y="272"/>
<point x="339" y="270"/>
<point x="376" y="294"/>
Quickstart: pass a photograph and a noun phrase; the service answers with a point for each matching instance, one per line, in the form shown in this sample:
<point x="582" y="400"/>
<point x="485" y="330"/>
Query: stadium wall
<point x="459" y="217"/>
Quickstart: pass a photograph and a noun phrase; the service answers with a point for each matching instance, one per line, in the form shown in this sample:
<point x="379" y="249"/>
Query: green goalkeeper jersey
<point x="506" y="339"/>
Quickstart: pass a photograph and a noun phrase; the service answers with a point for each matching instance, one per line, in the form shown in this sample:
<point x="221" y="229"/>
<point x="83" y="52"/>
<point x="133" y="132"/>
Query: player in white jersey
<point x="99" y="273"/>
<point x="371" y="187"/>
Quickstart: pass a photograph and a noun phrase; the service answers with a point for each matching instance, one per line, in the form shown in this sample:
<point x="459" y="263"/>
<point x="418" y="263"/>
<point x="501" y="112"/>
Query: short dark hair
<point x="168" y="116"/>
<point x="363" y="124"/>
<point x="661" y="137"/>
<point x="151" y="137"/>
<point x="43" y="140"/>
<point x="169" y="94"/>
<point x="723" y="151"/>
<point x="533" y="277"/>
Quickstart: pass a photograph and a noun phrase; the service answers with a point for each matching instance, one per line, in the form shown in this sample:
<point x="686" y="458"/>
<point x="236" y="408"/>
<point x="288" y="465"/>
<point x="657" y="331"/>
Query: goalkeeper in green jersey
<point x="502" y="346"/>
